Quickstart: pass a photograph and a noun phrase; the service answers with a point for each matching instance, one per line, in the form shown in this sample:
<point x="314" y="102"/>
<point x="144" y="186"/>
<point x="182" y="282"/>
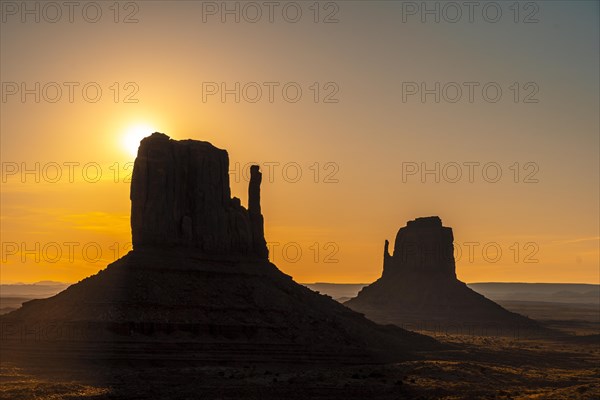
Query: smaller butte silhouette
<point x="419" y="289"/>
<point x="198" y="285"/>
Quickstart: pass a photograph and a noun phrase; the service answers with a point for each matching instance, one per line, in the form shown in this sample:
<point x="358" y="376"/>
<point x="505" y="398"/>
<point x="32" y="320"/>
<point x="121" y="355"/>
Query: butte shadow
<point x="198" y="286"/>
<point x="419" y="289"/>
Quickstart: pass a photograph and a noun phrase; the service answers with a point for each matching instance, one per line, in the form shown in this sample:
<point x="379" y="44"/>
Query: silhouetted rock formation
<point x="419" y="289"/>
<point x="198" y="285"/>
<point x="256" y="219"/>
<point x="423" y="248"/>
<point x="180" y="196"/>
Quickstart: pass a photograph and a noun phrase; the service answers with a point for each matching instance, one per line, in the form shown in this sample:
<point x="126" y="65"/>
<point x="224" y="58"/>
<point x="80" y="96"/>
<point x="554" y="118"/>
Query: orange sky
<point x="356" y="147"/>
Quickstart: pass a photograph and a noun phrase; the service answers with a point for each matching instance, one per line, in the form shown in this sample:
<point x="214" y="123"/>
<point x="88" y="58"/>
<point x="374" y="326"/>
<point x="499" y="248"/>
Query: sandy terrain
<point x="476" y="367"/>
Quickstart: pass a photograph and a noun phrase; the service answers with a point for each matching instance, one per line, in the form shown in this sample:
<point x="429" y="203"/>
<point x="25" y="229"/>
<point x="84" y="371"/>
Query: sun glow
<point x="133" y="136"/>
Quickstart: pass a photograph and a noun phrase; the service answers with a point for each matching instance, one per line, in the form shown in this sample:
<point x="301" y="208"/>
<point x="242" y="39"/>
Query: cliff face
<point x="423" y="249"/>
<point x="180" y="196"/>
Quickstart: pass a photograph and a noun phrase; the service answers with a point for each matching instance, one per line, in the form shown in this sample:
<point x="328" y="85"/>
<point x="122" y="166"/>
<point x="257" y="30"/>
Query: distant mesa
<point x="423" y="250"/>
<point x="198" y="285"/>
<point x="419" y="289"/>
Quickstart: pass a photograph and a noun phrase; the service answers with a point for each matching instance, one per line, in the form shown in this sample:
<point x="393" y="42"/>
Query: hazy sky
<point x="386" y="92"/>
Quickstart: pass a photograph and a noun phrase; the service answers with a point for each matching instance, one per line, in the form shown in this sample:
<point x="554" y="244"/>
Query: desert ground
<point x="566" y="366"/>
<point x="474" y="368"/>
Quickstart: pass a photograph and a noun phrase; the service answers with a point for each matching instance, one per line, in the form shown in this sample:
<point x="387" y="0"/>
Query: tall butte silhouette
<point x="198" y="284"/>
<point x="419" y="289"/>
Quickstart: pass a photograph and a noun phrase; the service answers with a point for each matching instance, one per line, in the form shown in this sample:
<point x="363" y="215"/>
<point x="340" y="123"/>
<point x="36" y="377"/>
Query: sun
<point x="133" y="136"/>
